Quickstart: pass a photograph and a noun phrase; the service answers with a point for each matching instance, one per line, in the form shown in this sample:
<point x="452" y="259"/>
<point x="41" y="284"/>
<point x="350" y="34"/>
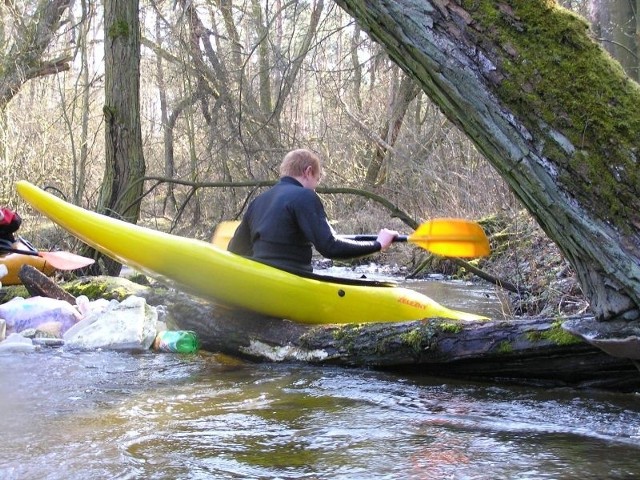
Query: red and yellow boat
<point x="15" y="261"/>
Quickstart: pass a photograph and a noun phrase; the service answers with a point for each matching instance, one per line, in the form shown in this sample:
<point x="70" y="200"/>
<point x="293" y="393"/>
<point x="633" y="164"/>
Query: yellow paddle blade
<point x="224" y="233"/>
<point x="451" y="237"/>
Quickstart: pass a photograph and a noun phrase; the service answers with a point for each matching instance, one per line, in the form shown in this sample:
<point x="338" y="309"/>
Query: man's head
<point x="297" y="162"/>
<point x="303" y="165"/>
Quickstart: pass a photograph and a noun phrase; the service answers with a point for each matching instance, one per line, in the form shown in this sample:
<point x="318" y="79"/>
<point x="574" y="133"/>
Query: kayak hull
<point x="207" y="271"/>
<point x="15" y="261"/>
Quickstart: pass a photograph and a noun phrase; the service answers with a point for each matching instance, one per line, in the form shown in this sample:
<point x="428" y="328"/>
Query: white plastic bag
<point x="86" y="306"/>
<point x="130" y="325"/>
<point x="35" y="312"/>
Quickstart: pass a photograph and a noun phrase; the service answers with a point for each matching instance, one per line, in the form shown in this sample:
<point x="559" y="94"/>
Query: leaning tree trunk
<point x="551" y="111"/>
<point x="121" y="188"/>
<point x="25" y="53"/>
<point x="401" y="97"/>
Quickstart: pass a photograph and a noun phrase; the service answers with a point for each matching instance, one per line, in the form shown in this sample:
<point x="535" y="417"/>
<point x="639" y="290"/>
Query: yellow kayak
<point x="15" y="261"/>
<point x="202" y="269"/>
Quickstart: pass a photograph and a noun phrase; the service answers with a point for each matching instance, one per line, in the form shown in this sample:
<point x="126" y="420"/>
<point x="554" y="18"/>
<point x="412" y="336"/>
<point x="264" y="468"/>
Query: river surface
<point x="108" y="415"/>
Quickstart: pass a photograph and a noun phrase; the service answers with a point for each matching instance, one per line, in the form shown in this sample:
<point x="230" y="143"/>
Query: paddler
<point x="281" y="224"/>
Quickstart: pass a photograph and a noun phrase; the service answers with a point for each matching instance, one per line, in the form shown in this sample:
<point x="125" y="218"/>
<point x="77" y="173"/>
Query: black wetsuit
<point x="283" y="223"/>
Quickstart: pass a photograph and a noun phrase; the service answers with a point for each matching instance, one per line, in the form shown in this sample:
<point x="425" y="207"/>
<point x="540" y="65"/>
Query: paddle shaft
<point x="22" y="252"/>
<point x="371" y="238"/>
<point x="449" y="237"/>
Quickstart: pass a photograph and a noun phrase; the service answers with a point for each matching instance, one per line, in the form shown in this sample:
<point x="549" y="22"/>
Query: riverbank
<point x="524" y="256"/>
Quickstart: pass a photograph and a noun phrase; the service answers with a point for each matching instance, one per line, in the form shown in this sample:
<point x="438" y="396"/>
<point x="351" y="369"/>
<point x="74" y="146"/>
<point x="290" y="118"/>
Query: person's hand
<point x="385" y="238"/>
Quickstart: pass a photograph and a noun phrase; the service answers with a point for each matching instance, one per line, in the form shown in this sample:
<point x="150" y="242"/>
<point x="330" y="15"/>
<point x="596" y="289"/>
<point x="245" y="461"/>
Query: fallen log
<point x="38" y="284"/>
<point x="530" y="350"/>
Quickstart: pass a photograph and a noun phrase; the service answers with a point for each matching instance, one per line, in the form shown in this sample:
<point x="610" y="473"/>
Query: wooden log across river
<point x="535" y="351"/>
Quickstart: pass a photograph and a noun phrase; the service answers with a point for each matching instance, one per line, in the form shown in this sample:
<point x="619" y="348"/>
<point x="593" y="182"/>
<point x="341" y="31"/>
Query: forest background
<point x="227" y="88"/>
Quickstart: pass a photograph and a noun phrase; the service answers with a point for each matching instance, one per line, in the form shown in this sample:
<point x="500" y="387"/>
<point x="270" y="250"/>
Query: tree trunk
<point x="356" y="66"/>
<point x="264" y="59"/>
<point x="169" y="202"/>
<point x="121" y="188"/>
<point x="33" y="35"/>
<point x="27" y="35"/>
<point x="550" y="111"/>
<point x="532" y="351"/>
<point x="80" y="165"/>
<point x="400" y="98"/>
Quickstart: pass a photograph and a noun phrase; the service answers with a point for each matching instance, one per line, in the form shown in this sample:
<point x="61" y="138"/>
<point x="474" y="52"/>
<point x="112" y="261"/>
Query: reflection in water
<point x="110" y="415"/>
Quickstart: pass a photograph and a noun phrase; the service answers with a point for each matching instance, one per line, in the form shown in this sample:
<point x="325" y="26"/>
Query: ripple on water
<point x="108" y="415"/>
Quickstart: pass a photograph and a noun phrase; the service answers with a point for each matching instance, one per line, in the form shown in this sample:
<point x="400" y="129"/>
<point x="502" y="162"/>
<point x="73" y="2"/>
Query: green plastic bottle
<point x="177" y="341"/>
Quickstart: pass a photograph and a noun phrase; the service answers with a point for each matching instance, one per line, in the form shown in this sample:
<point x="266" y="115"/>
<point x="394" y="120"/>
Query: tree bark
<point x="550" y="111"/>
<point x="121" y="190"/>
<point x="534" y="351"/>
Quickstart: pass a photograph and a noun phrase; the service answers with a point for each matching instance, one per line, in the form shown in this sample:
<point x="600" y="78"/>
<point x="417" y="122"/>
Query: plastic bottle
<point x="178" y="341"/>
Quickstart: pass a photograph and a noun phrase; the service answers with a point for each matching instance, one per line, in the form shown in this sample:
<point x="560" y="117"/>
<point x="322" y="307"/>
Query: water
<point x="78" y="415"/>
<point x="117" y="415"/>
<point x="466" y="296"/>
<point x="480" y="298"/>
